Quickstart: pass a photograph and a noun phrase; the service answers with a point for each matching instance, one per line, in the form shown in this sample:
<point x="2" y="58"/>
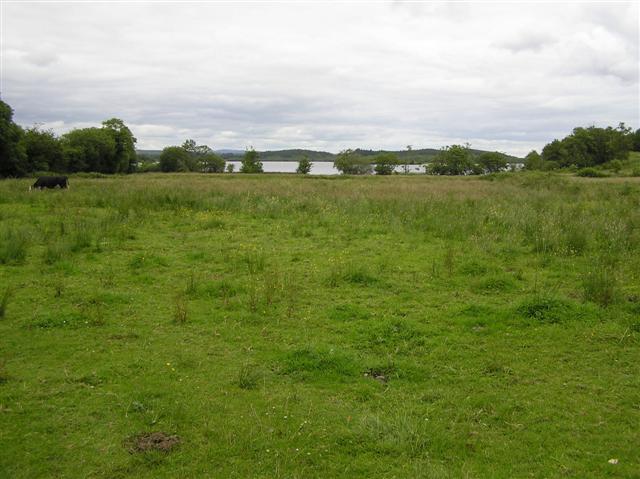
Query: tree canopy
<point x="251" y="162"/>
<point x="349" y="162"/>
<point x="385" y="163"/>
<point x="452" y="160"/>
<point x="304" y="165"/>
<point x="13" y="156"/>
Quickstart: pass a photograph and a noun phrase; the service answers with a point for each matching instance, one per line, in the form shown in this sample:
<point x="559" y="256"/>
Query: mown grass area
<point x="286" y="326"/>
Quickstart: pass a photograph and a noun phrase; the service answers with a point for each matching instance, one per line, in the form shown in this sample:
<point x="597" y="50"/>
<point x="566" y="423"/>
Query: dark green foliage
<point x="452" y="160"/>
<point x="12" y="151"/>
<point x="591" y="173"/>
<point x="588" y="147"/>
<point x="533" y="161"/>
<point x="349" y="162"/>
<point x="125" y="154"/>
<point x="385" y="163"/>
<point x="304" y="165"/>
<point x="90" y="149"/>
<point x="635" y="140"/>
<point x="212" y="163"/>
<point x="174" y="158"/>
<point x="492" y="162"/>
<point x="251" y="162"/>
<point x="44" y="151"/>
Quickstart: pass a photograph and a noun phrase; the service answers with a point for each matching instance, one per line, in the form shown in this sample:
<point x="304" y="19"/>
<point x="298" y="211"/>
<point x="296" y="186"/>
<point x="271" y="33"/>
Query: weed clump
<point x="180" y="309"/>
<point x="601" y="287"/>
<point x="13" y="246"/>
<point x="4" y="302"/>
<point x="546" y="309"/>
<point x="318" y="362"/>
<point x="248" y="377"/>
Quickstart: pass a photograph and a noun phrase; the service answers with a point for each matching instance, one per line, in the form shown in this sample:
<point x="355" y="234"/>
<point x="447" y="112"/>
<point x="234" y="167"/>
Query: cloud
<point x="327" y="76"/>
<point x="528" y="42"/>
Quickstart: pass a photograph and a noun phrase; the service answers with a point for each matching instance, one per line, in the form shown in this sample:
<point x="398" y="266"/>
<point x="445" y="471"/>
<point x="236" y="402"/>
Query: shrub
<point x="591" y="173"/>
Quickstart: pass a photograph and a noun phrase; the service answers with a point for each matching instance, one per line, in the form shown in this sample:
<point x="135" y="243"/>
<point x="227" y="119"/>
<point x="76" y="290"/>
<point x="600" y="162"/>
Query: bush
<point x="591" y="173"/>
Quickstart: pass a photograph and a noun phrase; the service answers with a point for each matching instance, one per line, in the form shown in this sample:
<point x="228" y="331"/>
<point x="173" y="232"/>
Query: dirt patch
<point x="151" y="441"/>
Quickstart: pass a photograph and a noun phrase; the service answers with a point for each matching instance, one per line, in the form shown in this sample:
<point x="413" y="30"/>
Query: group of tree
<point x="108" y="149"/>
<point x="191" y="157"/>
<point x="586" y="147"/>
<point x="451" y="160"/>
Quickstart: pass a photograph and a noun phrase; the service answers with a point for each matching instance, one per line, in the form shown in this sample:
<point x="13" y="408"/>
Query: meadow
<point x="289" y="326"/>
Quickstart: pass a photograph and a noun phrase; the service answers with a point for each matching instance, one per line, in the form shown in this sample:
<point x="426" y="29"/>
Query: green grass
<point x="285" y="326"/>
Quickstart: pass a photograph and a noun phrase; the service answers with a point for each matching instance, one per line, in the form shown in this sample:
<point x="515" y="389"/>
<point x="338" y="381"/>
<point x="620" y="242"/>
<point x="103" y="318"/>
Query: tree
<point x="452" y="160"/>
<point x="385" y="163"/>
<point x="44" y="151"/>
<point x="125" y="155"/>
<point x="492" y="162"/>
<point x="230" y="167"/>
<point x="212" y="163"/>
<point x="554" y="154"/>
<point x="635" y="140"/>
<point x="533" y="161"/>
<point x="13" y="156"/>
<point x="251" y="162"/>
<point x="90" y="149"/>
<point x="304" y="165"/>
<point x="590" y="146"/>
<point x="348" y="162"/>
<point x="174" y="158"/>
<point x="407" y="160"/>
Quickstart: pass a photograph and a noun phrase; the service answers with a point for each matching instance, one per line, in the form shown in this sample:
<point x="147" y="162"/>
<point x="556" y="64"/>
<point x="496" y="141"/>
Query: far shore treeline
<point x="110" y="149"/>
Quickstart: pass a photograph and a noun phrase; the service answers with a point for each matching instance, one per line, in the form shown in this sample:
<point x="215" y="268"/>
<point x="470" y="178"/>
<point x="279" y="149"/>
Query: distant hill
<point x="404" y="156"/>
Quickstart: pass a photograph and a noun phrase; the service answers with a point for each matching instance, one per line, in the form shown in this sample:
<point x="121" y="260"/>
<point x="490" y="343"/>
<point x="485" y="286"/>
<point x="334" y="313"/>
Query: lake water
<point x="317" y="167"/>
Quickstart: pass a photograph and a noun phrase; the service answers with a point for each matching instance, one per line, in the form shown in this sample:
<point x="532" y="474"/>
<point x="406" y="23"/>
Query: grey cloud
<point x="326" y="76"/>
<point x="528" y="42"/>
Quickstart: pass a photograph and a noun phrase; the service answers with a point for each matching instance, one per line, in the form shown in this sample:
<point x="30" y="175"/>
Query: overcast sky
<point x="325" y="76"/>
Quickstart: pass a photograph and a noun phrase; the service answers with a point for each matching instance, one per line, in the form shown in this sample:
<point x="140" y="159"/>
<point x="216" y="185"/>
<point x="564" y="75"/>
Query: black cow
<point x="50" y="182"/>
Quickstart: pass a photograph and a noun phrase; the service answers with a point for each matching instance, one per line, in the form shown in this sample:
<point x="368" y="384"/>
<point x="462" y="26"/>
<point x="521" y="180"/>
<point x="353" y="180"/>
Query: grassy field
<point x="286" y="326"/>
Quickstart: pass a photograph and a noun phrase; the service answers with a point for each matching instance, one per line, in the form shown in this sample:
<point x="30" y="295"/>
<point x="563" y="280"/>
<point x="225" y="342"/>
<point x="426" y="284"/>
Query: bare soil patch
<point x="151" y="441"/>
